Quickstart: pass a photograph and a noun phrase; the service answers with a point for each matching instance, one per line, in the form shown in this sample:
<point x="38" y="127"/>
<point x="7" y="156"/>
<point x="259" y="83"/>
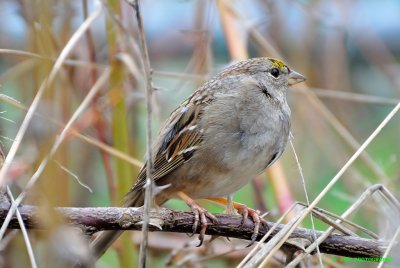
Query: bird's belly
<point x="223" y="187"/>
<point x="222" y="184"/>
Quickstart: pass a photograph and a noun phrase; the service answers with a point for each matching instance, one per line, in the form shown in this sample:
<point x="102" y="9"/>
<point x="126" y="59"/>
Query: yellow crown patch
<point x="277" y="63"/>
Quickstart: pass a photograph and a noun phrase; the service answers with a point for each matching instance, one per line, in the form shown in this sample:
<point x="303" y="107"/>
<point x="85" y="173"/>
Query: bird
<point x="222" y="136"/>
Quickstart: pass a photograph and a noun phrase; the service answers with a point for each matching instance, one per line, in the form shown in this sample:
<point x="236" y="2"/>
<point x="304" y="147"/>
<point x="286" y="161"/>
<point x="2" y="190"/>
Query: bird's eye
<point x="275" y="72"/>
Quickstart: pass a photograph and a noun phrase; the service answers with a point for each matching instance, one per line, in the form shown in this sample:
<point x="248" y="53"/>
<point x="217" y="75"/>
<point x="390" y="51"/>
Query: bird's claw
<point x="255" y="216"/>
<point x="201" y="215"/>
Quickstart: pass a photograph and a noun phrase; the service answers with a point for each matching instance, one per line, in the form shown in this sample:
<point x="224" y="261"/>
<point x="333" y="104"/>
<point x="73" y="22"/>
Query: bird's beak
<point x="295" y="77"/>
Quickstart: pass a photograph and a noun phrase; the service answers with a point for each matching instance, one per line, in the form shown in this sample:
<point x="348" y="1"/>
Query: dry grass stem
<point x="89" y="140"/>
<point x="24" y="232"/>
<point x="84" y="105"/>
<point x="334" y="180"/>
<point x="303" y="182"/>
<point x="149" y="92"/>
<point x="360" y="201"/>
<point x="32" y="108"/>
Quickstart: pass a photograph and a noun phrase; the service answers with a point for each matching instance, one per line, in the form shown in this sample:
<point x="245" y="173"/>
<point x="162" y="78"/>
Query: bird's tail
<point x="105" y="239"/>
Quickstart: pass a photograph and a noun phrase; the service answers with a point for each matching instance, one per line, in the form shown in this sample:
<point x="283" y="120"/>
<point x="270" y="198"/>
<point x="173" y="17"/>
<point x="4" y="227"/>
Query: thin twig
<point x="24" y="233"/>
<point x="303" y="182"/>
<point x="69" y="172"/>
<point x="90" y="140"/>
<point x="393" y="241"/>
<point x="264" y="238"/>
<point x="69" y="62"/>
<point x="149" y="91"/>
<point x="347" y="96"/>
<point x="180" y="75"/>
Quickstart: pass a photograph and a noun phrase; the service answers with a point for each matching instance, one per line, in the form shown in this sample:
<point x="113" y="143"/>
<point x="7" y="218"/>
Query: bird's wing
<point x="179" y="140"/>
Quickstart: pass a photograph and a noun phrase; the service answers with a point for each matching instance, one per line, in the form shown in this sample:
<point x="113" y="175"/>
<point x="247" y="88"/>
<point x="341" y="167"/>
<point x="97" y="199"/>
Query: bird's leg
<point x="230" y="209"/>
<point x="243" y="210"/>
<point x="200" y="214"/>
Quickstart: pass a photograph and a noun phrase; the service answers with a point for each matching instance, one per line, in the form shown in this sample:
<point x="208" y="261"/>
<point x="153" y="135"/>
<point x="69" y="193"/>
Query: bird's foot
<point x="245" y="212"/>
<point x="200" y="216"/>
<point x="254" y="215"/>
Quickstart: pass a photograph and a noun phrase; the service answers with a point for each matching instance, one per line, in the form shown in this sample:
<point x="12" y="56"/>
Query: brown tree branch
<point x="92" y="220"/>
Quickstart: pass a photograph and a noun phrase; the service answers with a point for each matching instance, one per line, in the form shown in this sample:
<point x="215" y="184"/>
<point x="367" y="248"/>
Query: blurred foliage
<point x="341" y="47"/>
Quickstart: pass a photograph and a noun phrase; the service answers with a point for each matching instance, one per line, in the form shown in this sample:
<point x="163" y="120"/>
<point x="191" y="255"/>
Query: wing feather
<point x="178" y="143"/>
